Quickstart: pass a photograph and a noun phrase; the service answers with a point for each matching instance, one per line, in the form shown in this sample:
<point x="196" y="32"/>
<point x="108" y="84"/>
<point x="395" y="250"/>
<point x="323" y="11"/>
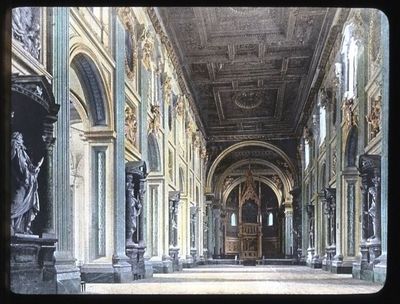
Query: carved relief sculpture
<point x="180" y="105"/>
<point x="148" y="45"/>
<point x="196" y="141"/>
<point x="24" y="195"/>
<point x="203" y="153"/>
<point x="26" y="29"/>
<point x="167" y="88"/>
<point x="307" y="135"/>
<point x="349" y="115"/>
<point x="155" y="122"/>
<point x="333" y="164"/>
<point x="130" y="125"/>
<point x="374" y="116"/>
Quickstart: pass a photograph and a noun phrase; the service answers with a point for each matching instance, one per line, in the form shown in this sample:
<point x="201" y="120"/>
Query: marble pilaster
<point x="122" y="269"/>
<point x="68" y="275"/>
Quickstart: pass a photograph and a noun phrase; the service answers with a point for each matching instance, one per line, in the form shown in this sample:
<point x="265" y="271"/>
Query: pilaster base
<point x="148" y="269"/>
<point x="316" y="262"/>
<point x="99" y="273"/>
<point x="201" y="261"/>
<point x="341" y="267"/>
<point x="380" y="273"/>
<point x="68" y="276"/>
<point x="122" y="270"/>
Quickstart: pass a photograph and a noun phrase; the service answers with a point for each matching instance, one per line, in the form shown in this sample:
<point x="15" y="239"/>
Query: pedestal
<point x="188" y="263"/>
<point x="32" y="262"/>
<point x="135" y="253"/>
<point x="148" y="269"/>
<point x="339" y="266"/>
<point x="380" y="269"/>
<point x="316" y="262"/>
<point x="310" y="254"/>
<point x="174" y="255"/>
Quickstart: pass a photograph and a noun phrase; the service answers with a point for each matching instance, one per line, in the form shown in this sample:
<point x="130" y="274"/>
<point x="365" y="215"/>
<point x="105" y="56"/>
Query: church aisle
<point x="238" y="279"/>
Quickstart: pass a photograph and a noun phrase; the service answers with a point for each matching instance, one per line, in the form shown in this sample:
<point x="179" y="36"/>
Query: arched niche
<point x="350" y="155"/>
<point x="92" y="86"/>
<point x="153" y="153"/>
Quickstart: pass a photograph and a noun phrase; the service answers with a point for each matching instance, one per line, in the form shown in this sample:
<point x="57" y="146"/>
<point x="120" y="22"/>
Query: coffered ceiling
<point x="247" y="68"/>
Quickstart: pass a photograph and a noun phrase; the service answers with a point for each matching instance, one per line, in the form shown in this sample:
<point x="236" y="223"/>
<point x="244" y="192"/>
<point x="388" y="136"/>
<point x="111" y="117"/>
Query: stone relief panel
<point x="131" y="125"/>
<point x="374" y="117"/>
<point x="26" y="29"/>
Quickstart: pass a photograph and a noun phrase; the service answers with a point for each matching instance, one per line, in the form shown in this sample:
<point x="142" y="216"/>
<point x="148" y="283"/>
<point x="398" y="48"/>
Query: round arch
<point x="350" y="154"/>
<point x="242" y="179"/>
<point x="282" y="176"/>
<point x="92" y="78"/>
<point x="153" y="153"/>
<point x="241" y="145"/>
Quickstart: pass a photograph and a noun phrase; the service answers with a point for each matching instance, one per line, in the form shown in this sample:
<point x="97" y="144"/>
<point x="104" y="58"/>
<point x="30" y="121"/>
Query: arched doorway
<point x="90" y="166"/>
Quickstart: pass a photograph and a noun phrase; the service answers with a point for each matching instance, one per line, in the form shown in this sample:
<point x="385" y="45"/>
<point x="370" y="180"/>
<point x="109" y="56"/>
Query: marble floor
<point x="238" y="279"/>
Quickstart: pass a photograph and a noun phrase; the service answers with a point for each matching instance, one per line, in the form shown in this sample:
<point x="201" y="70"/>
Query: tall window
<point x="306" y="153"/>
<point x="322" y="124"/>
<point x="349" y="51"/>
<point x="233" y="220"/>
<point x="270" y="219"/>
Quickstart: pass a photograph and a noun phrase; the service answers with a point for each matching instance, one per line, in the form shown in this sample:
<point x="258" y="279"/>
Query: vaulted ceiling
<point x="249" y="69"/>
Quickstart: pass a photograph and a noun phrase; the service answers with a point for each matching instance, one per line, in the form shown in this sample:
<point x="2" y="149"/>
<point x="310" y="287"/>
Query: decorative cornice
<point x="157" y="24"/>
<point x="316" y="79"/>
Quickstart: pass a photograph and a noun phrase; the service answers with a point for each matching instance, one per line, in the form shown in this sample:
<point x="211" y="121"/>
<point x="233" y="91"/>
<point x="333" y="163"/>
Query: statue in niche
<point x="134" y="208"/>
<point x="24" y="195"/>
<point x="348" y="112"/>
<point x="372" y="211"/>
<point x="26" y="29"/>
<point x="155" y="122"/>
<point x="174" y="214"/>
<point x="311" y="233"/>
<point x="130" y="125"/>
<point x="374" y="117"/>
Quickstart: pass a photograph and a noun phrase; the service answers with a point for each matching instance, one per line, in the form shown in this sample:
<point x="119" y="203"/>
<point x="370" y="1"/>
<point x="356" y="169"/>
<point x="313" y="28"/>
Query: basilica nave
<point x="166" y="145"/>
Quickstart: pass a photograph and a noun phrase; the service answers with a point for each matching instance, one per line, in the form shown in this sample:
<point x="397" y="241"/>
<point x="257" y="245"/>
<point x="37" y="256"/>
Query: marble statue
<point x="134" y="208"/>
<point x="372" y="211"/>
<point x="24" y="195"/>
